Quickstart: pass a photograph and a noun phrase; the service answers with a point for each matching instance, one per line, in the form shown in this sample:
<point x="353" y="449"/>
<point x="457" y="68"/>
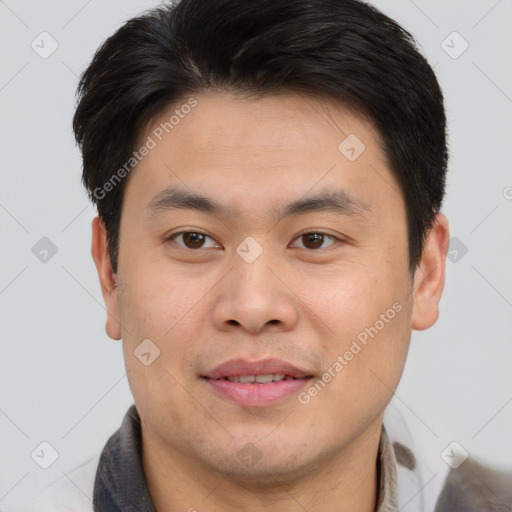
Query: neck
<point x="345" y="481"/>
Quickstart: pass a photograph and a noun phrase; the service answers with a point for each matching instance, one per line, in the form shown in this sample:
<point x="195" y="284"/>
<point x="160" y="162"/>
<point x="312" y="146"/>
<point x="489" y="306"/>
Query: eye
<point x="314" y="239"/>
<point x="191" y="239"/>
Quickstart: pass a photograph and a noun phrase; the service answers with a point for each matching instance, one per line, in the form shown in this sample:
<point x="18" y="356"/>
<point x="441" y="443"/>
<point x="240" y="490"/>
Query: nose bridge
<point x="252" y="279"/>
<point x="253" y="296"/>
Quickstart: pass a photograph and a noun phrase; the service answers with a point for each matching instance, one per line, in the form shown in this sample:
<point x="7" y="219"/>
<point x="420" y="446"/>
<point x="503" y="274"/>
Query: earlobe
<point x="108" y="280"/>
<point x="430" y="275"/>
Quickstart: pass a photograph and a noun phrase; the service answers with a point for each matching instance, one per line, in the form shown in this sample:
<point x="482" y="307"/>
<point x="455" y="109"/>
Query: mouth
<point x="259" y="379"/>
<point x="256" y="384"/>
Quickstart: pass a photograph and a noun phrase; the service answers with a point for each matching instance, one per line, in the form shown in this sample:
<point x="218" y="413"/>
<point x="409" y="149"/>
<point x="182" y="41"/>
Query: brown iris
<point x="193" y="240"/>
<point x="316" y="239"/>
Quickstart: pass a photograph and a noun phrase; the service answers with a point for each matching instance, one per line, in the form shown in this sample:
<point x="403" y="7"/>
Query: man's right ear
<point x="101" y="257"/>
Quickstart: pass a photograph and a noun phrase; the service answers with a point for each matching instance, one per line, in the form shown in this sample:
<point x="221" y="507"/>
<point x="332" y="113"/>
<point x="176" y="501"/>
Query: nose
<point x="256" y="297"/>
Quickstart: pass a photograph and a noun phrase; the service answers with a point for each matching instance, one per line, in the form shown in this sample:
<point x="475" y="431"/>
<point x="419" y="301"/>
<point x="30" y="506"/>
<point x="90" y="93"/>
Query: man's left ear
<point x="430" y="274"/>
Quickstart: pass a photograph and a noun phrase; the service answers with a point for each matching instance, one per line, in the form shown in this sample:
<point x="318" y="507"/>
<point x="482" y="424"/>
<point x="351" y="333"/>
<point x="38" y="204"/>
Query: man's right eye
<point x="191" y="239"/>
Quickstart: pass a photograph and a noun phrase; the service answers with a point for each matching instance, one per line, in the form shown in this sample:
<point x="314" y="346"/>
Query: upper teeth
<point x="261" y="379"/>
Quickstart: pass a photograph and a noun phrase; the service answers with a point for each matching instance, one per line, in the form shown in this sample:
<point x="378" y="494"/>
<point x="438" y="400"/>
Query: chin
<point x="262" y="464"/>
<point x="267" y="475"/>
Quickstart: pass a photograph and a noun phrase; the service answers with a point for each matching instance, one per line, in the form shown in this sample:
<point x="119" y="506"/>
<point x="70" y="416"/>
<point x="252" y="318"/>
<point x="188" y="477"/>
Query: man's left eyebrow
<point x="329" y="200"/>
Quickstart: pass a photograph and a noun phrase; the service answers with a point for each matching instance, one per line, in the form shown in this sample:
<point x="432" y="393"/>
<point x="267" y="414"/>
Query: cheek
<point x="369" y="331"/>
<point x="162" y="315"/>
<point x="351" y="300"/>
<point x="153" y="301"/>
<point x="154" y="309"/>
<point x="374" y="351"/>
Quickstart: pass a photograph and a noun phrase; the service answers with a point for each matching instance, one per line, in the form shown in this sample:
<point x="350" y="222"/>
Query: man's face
<point x="244" y="285"/>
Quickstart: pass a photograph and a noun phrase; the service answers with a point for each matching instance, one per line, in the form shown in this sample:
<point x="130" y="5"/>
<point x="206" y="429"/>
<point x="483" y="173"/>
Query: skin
<point x="304" y="305"/>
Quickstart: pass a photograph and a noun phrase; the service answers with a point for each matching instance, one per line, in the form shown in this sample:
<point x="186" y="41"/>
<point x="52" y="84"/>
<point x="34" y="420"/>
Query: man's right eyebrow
<point x="173" y="198"/>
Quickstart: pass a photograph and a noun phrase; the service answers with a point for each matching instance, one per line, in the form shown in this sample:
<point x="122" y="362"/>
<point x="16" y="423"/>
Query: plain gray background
<point x="63" y="380"/>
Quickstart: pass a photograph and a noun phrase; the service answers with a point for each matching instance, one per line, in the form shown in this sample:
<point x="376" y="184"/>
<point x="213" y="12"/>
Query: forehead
<point x="272" y="146"/>
<point x="280" y="122"/>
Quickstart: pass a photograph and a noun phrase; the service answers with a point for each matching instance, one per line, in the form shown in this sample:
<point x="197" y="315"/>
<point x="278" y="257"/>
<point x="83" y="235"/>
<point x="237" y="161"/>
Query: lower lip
<point x="257" y="395"/>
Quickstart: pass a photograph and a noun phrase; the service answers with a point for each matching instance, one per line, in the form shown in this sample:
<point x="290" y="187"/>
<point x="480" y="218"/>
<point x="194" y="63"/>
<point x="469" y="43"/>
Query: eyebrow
<point x="330" y="200"/>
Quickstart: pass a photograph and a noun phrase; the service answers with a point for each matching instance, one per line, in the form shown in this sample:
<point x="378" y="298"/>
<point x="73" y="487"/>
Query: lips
<point x="258" y="383"/>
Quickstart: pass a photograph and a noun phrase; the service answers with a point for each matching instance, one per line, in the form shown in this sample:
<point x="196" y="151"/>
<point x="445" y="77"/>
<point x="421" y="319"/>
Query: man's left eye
<point x="314" y="239"/>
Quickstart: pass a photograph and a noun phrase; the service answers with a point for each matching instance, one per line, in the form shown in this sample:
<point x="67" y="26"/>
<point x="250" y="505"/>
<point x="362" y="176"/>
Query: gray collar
<point x="387" y="474"/>
<point x="120" y="484"/>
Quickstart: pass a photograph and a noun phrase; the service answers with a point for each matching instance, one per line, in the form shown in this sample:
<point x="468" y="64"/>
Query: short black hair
<point x="342" y="49"/>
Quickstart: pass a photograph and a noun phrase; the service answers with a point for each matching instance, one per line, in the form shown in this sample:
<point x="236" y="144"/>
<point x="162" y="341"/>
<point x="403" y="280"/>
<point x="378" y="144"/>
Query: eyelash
<point x="300" y="235"/>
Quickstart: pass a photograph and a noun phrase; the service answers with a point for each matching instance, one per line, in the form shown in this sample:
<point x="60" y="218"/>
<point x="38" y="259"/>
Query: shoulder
<point x="476" y="487"/>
